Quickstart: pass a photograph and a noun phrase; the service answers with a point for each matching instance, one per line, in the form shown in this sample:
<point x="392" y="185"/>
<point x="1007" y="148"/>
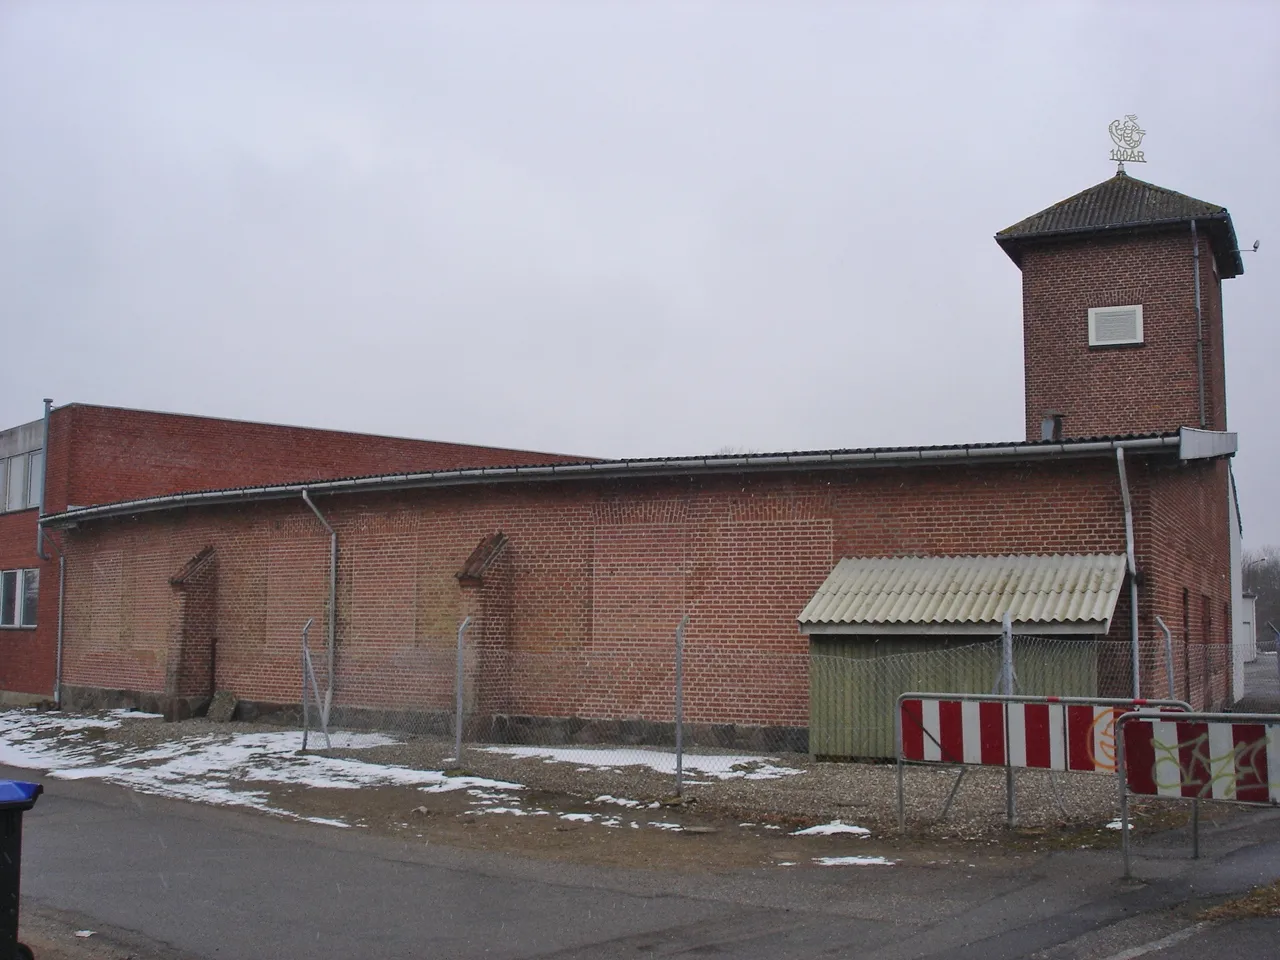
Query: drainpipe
<point x="333" y="595"/>
<point x="44" y="481"/>
<point x="1133" y="570"/>
<point x="62" y="592"/>
<point x="1195" y="242"/>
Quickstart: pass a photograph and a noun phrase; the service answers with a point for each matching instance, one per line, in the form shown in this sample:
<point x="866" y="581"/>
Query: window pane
<point x="8" y="597"/>
<point x="35" y="477"/>
<point x="30" y="592"/>
<point x="17" y="483"/>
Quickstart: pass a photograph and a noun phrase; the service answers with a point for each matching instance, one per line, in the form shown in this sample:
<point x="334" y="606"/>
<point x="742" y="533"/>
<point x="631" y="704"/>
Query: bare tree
<point x="1262" y="579"/>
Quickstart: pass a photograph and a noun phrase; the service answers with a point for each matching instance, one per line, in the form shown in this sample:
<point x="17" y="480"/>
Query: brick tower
<point x="1118" y="338"/>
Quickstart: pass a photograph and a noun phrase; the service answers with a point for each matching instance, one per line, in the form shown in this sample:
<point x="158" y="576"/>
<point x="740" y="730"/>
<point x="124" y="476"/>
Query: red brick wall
<point x="1189" y="522"/>
<point x="27" y="656"/>
<point x="104" y="455"/>
<point x="590" y="586"/>
<point x="1108" y="391"/>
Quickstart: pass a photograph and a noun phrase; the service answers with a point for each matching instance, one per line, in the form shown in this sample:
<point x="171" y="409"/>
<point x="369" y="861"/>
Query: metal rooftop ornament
<point x="1127" y="136"/>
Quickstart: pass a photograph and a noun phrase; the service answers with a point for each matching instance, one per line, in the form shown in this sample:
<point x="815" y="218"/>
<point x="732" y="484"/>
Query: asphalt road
<point x="188" y="881"/>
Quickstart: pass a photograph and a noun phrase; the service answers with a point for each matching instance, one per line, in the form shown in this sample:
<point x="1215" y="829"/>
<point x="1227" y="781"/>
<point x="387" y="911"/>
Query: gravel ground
<point x="863" y="793"/>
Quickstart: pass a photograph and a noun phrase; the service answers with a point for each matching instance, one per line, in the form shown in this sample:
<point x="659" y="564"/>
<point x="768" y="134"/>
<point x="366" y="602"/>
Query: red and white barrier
<point x="1217" y="760"/>
<point x="1046" y="734"/>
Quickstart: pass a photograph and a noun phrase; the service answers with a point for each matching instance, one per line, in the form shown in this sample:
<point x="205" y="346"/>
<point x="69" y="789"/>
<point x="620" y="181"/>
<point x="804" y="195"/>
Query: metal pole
<point x="315" y="690"/>
<point x="44" y="473"/>
<point x="897" y="740"/>
<point x="1168" y="654"/>
<point x="458" y="687"/>
<point x="1010" y="796"/>
<point x="306" y="627"/>
<point x="62" y="592"/>
<point x="1133" y="571"/>
<point x="684" y="622"/>
<point x="333" y="597"/>
<point x="1124" y="795"/>
<point x="1195" y="829"/>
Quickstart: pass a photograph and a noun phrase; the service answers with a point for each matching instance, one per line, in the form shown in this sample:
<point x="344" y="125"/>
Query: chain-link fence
<point x="707" y="711"/>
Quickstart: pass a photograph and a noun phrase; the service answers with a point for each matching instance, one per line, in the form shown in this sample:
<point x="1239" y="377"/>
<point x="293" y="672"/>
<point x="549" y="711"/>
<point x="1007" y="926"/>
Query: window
<point x="21" y="478"/>
<point x="35" y="478"/>
<point x="19" y="593"/>
<point x="16" y="488"/>
<point x="1109" y="326"/>
<point x="30" y="594"/>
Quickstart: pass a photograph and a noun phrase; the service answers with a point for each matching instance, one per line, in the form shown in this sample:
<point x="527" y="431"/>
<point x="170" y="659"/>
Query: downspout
<point x="57" y="670"/>
<point x="333" y="595"/>
<point x="44" y="482"/>
<point x="1133" y="571"/>
<point x="1195" y="242"/>
<point x="62" y="592"/>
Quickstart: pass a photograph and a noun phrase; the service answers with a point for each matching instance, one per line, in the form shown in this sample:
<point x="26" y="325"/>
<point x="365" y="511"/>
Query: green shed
<point x="881" y="627"/>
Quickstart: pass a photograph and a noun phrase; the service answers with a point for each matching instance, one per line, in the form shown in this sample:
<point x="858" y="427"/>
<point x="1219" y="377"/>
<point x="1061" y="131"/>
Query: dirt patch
<point x="1259" y="902"/>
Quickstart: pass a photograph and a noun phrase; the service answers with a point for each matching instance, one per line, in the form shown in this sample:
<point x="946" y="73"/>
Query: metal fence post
<point x="684" y="622"/>
<point x="306" y="725"/>
<point x="1168" y="655"/>
<point x="1010" y="798"/>
<point x="1124" y="794"/>
<point x="459" y="680"/>
<point x="897" y="741"/>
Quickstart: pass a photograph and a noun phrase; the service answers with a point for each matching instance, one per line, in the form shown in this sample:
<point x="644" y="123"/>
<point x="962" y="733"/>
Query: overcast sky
<point x="610" y="229"/>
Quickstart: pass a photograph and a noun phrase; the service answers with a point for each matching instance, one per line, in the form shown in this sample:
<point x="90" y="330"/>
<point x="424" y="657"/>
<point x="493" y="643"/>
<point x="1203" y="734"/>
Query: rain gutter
<point x="622" y="469"/>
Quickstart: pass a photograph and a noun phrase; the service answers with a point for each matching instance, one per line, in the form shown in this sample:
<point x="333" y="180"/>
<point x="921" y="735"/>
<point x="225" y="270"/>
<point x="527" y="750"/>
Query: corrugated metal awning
<point x="967" y="595"/>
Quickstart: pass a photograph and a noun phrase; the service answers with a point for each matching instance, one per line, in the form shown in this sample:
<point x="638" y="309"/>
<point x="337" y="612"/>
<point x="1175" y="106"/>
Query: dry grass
<point x="1258" y="902"/>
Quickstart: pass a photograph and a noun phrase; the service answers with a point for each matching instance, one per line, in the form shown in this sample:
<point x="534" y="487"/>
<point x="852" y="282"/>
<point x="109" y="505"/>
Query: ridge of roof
<point x="1126" y="203"/>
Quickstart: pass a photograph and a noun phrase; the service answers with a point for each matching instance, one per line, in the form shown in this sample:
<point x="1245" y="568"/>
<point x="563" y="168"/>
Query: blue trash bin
<point x="16" y="798"/>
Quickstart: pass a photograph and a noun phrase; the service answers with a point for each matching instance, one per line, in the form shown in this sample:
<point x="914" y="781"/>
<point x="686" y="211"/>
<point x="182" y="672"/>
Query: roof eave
<point x="621" y="469"/>
<point x="954" y="629"/>
<point x="1227" y="253"/>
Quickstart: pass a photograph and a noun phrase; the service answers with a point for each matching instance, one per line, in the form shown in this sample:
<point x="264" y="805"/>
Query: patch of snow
<point x="578" y="817"/>
<point x="486" y="794"/>
<point x="665" y="826"/>
<point x="208" y="769"/>
<point x="514" y="811"/>
<point x="1116" y="825"/>
<point x="832" y="828"/>
<point x="719" y="767"/>
<point x="127" y="714"/>
<point x="326" y="822"/>
<point x="618" y="801"/>
<point x="854" y="861"/>
<point x="787" y="863"/>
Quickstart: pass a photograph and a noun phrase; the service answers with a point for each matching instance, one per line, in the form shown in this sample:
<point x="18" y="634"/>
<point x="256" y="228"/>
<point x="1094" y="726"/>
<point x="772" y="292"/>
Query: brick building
<point x="575" y="574"/>
<point x="99" y="455"/>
